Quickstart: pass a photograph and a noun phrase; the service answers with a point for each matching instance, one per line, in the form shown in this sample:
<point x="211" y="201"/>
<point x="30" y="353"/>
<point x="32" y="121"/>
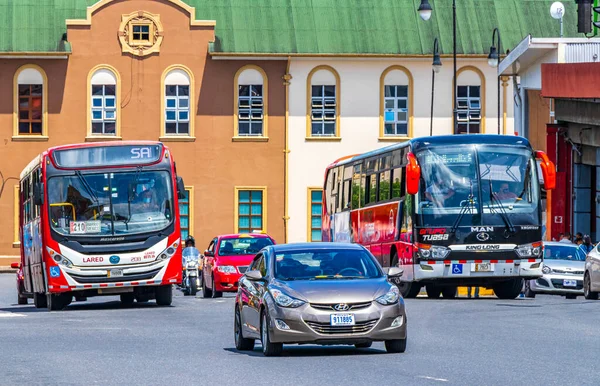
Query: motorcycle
<point x="191" y="279"/>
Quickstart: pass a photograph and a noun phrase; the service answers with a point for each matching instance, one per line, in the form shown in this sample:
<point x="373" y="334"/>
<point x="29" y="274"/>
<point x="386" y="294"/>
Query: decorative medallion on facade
<point x="140" y="33"/>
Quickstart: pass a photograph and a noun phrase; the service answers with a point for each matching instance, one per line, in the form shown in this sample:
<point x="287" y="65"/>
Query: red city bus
<point x="451" y="211"/>
<point x="101" y="219"/>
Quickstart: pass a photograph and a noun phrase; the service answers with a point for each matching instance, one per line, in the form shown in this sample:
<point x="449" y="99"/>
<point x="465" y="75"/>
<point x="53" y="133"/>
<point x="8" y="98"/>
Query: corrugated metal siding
<point x="316" y="26"/>
<point x="582" y="52"/>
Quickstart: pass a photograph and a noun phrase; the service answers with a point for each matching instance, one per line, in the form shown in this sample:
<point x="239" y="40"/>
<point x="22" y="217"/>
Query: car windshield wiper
<point x="509" y="225"/>
<point x="336" y="277"/>
<point x="470" y="204"/>
<point x="286" y="278"/>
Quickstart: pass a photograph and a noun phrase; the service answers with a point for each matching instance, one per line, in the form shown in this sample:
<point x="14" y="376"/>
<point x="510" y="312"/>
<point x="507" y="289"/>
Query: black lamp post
<point x="425" y="11"/>
<point x="493" y="61"/>
<point x="437" y="66"/>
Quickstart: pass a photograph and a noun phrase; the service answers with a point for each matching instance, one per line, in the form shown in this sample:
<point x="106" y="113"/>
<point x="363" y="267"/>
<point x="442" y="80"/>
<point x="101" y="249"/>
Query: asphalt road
<point x="545" y="341"/>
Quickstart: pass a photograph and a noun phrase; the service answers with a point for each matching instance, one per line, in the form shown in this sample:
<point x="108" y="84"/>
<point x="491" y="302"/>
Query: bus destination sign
<point x="119" y="155"/>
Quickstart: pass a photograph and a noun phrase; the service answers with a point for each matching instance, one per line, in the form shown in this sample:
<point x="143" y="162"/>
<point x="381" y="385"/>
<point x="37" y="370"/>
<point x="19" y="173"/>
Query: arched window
<point x="31" y="101"/>
<point x="470" y="100"/>
<point x="396" y="103"/>
<point x="104" y="107"/>
<point x="177" y="117"/>
<point x="323" y="103"/>
<point x="250" y="105"/>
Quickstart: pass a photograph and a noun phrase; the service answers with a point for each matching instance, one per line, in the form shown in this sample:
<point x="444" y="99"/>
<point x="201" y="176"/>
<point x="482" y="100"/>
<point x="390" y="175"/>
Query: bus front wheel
<point x="509" y="289"/>
<point x="164" y="295"/>
<point x="39" y="300"/>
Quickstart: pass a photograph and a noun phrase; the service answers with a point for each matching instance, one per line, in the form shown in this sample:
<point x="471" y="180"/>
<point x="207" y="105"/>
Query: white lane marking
<point x="4" y="314"/>
<point x="433" y="378"/>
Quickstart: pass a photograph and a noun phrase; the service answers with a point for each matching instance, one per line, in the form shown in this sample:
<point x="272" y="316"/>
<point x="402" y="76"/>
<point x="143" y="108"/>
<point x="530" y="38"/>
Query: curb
<point x="7" y="270"/>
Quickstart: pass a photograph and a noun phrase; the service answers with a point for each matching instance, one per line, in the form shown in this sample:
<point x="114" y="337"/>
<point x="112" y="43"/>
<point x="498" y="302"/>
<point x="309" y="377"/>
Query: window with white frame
<point x="468" y="103"/>
<point x="251" y="102"/>
<point x="30" y="94"/>
<point x="104" y="103"/>
<point x="323" y="110"/>
<point x="396" y="110"/>
<point x="177" y="103"/>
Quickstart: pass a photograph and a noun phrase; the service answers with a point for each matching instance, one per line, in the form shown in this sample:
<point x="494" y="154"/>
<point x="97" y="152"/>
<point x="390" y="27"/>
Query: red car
<point x="22" y="296"/>
<point x="227" y="258"/>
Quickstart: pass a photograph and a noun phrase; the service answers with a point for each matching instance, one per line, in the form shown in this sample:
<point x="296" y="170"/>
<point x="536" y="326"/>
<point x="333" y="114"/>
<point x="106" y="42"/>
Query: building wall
<point x="359" y="100"/>
<point x="211" y="162"/>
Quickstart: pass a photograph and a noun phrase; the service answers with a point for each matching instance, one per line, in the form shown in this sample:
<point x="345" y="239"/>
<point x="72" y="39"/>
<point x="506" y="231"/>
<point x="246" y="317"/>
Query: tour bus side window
<point x="27" y="198"/>
<point x="384" y="177"/>
<point x="346" y="188"/>
<point x="333" y="202"/>
<point x="329" y="190"/>
<point x="397" y="175"/>
<point x="338" y="184"/>
<point x="37" y="181"/>
<point x="363" y="186"/>
<point x="356" y="192"/>
<point x="371" y="182"/>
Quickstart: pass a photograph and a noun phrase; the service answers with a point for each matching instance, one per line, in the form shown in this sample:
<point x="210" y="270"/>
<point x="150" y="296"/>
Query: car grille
<point x="567" y="272"/>
<point x="326" y="328"/>
<point x="558" y="283"/>
<point x="329" y="307"/>
<point x="243" y="269"/>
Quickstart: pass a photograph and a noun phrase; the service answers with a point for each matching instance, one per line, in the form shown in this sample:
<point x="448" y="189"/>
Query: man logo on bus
<point x="114" y="259"/>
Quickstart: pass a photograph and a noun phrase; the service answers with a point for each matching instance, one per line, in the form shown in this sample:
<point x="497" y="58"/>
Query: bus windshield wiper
<point x="463" y="210"/>
<point x="509" y="225"/>
<point x="87" y="187"/>
<point x="130" y="196"/>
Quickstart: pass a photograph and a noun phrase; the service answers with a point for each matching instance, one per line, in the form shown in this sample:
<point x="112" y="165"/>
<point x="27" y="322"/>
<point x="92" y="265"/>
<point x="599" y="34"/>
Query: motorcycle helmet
<point x="190" y="240"/>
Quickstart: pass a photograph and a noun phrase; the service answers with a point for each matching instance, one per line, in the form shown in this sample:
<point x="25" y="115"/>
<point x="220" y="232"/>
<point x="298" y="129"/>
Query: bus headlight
<point x="427" y="251"/>
<point x="169" y="252"/>
<point x="58" y="258"/>
<point x="529" y="250"/>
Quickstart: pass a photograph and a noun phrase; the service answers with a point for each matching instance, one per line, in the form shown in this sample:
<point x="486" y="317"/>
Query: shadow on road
<point x="311" y="351"/>
<point x="113" y="305"/>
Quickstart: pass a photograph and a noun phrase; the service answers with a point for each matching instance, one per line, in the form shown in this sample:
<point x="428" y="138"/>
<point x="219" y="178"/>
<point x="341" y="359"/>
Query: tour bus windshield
<point x="477" y="185"/>
<point x="101" y="204"/>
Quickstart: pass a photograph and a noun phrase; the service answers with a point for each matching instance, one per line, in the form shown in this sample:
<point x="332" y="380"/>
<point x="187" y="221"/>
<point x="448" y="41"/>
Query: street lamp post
<point x="436" y="67"/>
<point x="493" y="61"/>
<point x="425" y="11"/>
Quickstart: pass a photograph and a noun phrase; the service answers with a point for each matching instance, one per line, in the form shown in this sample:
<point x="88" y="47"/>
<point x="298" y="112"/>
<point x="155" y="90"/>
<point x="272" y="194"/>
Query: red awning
<point x="571" y="80"/>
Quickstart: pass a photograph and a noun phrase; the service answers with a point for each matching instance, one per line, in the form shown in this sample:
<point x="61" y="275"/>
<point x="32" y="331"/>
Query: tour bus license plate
<point x="115" y="273"/>
<point x="342" y="320"/>
<point x="483" y="267"/>
<point x="569" y="283"/>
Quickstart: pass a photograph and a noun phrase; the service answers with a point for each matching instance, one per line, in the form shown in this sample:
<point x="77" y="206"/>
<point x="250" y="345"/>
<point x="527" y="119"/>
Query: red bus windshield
<point x="115" y="203"/>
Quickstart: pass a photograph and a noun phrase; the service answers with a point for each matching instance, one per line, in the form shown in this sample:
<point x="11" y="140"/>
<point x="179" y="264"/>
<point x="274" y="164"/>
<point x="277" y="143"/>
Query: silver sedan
<point x="562" y="272"/>
<point x="318" y="293"/>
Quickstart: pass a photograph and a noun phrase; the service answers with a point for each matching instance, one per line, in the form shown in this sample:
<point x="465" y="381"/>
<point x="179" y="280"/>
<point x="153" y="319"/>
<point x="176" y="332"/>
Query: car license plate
<point x="342" y="320"/>
<point x="115" y="273"/>
<point x="569" y="283"/>
<point x="483" y="267"/>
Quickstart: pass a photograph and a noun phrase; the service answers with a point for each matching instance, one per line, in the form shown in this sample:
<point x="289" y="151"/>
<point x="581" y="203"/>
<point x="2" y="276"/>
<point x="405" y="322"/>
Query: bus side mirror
<point x="38" y="198"/>
<point x="413" y="174"/>
<point x="548" y="170"/>
<point x="180" y="188"/>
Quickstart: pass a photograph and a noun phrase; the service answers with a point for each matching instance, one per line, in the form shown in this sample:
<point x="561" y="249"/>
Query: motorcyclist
<point x="189" y="251"/>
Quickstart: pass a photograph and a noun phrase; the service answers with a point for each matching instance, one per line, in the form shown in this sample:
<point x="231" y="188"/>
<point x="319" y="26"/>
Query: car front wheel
<point x="269" y="349"/>
<point x="395" y="346"/>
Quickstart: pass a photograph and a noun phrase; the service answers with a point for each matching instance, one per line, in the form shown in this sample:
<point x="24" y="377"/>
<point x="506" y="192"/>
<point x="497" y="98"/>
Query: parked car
<point x="227" y="258"/>
<point x="22" y="296"/>
<point x="318" y="293"/>
<point x="591" y="278"/>
<point x="562" y="272"/>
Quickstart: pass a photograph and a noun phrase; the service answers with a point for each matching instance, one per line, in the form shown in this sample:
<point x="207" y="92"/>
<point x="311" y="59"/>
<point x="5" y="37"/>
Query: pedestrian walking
<point x="585" y="248"/>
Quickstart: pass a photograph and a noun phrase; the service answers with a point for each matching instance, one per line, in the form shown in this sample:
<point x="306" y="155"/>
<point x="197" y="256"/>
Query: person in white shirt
<point x="566" y="239"/>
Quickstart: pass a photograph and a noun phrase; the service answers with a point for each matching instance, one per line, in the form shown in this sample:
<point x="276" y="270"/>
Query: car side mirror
<point x="254" y="275"/>
<point x="208" y="253"/>
<point x="38" y="198"/>
<point x="15" y="265"/>
<point x="180" y="188"/>
<point x="395" y="272"/>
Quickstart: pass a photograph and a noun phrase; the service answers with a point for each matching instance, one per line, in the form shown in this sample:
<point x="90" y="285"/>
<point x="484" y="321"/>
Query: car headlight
<point x="284" y="300"/>
<point x="169" y="252"/>
<point x="546" y="269"/>
<point x="226" y="269"/>
<point x="391" y="297"/>
<point x="529" y="250"/>
<point x="427" y="251"/>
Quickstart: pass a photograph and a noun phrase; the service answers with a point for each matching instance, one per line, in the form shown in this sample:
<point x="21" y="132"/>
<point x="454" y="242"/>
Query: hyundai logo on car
<point x="114" y="259"/>
<point x="341" y="307"/>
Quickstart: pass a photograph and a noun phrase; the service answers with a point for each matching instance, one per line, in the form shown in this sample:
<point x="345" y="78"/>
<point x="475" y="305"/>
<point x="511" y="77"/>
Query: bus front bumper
<point x="475" y="269"/>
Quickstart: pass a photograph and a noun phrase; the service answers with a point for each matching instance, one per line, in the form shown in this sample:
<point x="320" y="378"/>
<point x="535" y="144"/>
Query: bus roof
<point x="38" y="158"/>
<point x="459" y="139"/>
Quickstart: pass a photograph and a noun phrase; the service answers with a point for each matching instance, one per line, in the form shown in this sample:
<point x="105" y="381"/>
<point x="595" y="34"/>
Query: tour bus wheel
<point x="127" y="299"/>
<point x="508" y="289"/>
<point x="39" y="300"/>
<point x="433" y="291"/>
<point x="164" y="295"/>
<point x="409" y="290"/>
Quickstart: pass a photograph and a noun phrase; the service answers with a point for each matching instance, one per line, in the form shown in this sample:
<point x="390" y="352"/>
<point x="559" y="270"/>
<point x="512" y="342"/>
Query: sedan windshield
<point x="563" y="252"/>
<point x="103" y="204"/>
<point x="330" y="264"/>
<point x="243" y="245"/>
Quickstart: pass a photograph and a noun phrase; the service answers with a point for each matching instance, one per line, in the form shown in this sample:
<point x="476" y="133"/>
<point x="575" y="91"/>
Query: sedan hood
<point x="336" y="290"/>
<point x="236" y="260"/>
<point x="565" y="265"/>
